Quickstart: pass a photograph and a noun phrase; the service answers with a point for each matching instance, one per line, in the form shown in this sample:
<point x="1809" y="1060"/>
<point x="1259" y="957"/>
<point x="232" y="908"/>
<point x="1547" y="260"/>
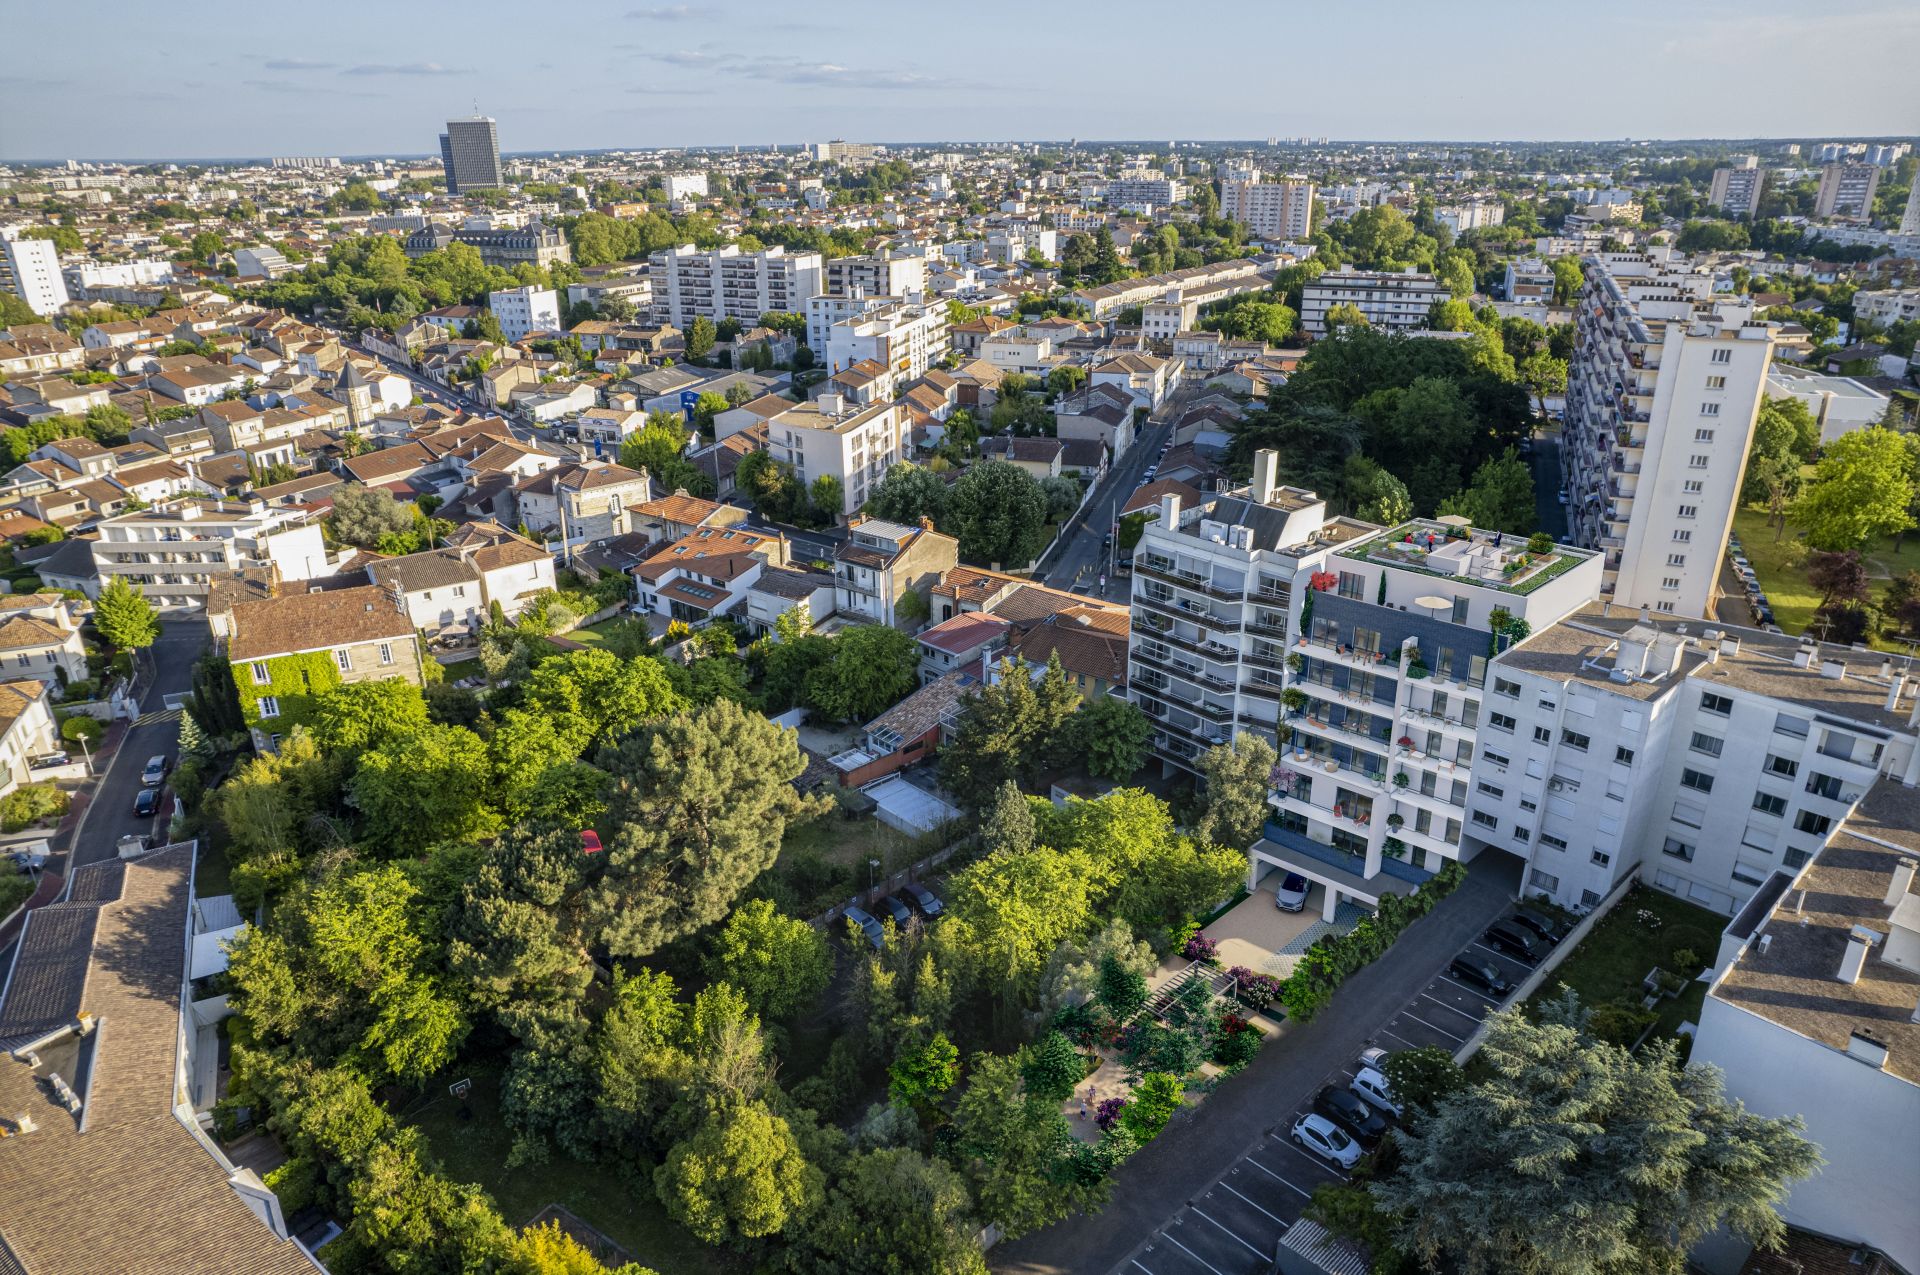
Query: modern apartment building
<point x="725" y="283"/>
<point x="1811" y="1013"/>
<point x="1704" y="757"/>
<point x="1360" y="652"/>
<point x="524" y="310"/>
<point x="1882" y="306"/>
<point x="1910" y="219"/>
<point x="1394" y="300"/>
<point x="1846" y="191"/>
<point x="470" y="154"/>
<point x="1144" y="191"/>
<point x="30" y="269"/>
<point x="684" y="187"/>
<point x="830" y="436"/>
<point x="172" y="555"/>
<point x="904" y="338"/>
<point x="876" y="276"/>
<point x="880" y="563"/>
<point x="1269" y="210"/>
<point x="1661" y="398"/>
<point x="1471" y="214"/>
<point x="1529" y="282"/>
<point x="1736" y="189"/>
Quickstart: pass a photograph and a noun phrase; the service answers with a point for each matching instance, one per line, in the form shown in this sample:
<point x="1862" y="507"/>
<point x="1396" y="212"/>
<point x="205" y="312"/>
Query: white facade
<point x="1471" y="214"/>
<point x="729" y="284"/>
<point x="1736" y="190"/>
<point x="827" y="309"/>
<point x="827" y="436"/>
<point x="1840" y="403"/>
<point x="524" y="310"/>
<point x="1396" y="301"/>
<point x="1661" y="399"/>
<point x="1269" y="210"/>
<point x="876" y="276"/>
<point x="1882" y="306"/>
<point x="172" y="555"/>
<point x="30" y="269"/>
<point x="904" y="339"/>
<point x="1846" y="191"/>
<point x="1144" y="191"/>
<point x="682" y="187"/>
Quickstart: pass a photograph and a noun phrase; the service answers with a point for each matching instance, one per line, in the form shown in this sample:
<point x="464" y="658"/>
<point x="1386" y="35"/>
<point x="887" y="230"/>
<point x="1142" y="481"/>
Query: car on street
<point x="157" y="767"/>
<point x="1481" y="974"/>
<point x="1563" y="497"/>
<point x="1291" y="894"/>
<point x="891" y="907"/>
<point x="1327" y="1140"/>
<point x="875" y="932"/>
<point x="146" y="803"/>
<point x="1548" y="928"/>
<point x="1356" y="1119"/>
<point x="47" y="760"/>
<point x="1511" y="940"/>
<point x="1370" y="1087"/>
<point x="926" y="900"/>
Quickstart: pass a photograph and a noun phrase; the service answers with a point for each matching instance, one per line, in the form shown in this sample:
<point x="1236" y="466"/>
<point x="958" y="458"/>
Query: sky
<point x="238" y="80"/>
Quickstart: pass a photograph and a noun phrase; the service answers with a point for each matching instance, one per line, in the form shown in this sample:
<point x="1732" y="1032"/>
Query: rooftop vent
<point x="1868" y="1048"/>
<point x="1854" y="959"/>
<point x="1834" y="669"/>
<point x="1902" y="879"/>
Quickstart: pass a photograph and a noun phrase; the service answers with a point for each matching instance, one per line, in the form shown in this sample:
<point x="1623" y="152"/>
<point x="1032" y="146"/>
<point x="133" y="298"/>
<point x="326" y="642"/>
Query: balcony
<point x="1347" y="654"/>
<point x="1187" y="609"/>
<point x="1164" y="568"/>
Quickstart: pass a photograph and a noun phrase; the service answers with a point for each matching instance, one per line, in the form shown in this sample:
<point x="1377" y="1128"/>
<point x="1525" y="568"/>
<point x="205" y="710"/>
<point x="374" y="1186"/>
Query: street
<point x="1550" y="514"/>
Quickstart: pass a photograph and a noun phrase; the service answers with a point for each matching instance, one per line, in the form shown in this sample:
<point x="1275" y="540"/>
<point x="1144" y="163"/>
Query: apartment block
<point x="30" y="269"/>
<point x="903" y="338"/>
<point x="833" y="437"/>
<point x="684" y="187"/>
<point x="1661" y="398"/>
<point x="725" y="283"/>
<point x="174" y="555"/>
<point x="1882" y="306"/>
<point x="1910" y="219"/>
<point x="1144" y="191"/>
<point x="1471" y="214"/>
<point x="880" y="563"/>
<point x="1269" y="210"/>
<point x="1529" y="282"/>
<point x="534" y="244"/>
<point x="1394" y="300"/>
<point x="1736" y="189"/>
<point x="875" y="276"/>
<point x="1360" y="652"/>
<point x="1846" y="191"/>
<point x="827" y="309"/>
<point x="524" y="310"/>
<point x="1703" y="758"/>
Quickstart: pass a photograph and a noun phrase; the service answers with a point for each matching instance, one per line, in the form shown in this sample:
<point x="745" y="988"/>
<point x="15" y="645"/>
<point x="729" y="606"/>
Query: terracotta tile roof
<point x="680" y="508"/>
<point x="1148" y="497"/>
<point x="964" y="632"/>
<point x="16" y="698"/>
<point x="315" y="622"/>
<point x="391" y="463"/>
<point x="1083" y="648"/>
<point x="434" y="569"/>
<point x="720" y="552"/>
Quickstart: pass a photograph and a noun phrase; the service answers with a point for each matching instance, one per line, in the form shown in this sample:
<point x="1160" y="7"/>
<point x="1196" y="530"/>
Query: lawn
<point x="1781" y="566"/>
<point x="475" y="1150"/>
<point x="1616" y="955"/>
<point x="597" y="634"/>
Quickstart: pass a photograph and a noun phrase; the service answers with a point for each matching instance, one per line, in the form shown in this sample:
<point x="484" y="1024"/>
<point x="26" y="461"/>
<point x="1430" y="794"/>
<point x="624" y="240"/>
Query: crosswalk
<point x="158" y="715"/>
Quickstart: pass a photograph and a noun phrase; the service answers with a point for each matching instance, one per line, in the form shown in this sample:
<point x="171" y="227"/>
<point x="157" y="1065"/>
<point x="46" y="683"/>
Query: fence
<point x="912" y="872"/>
<point x="1561" y="951"/>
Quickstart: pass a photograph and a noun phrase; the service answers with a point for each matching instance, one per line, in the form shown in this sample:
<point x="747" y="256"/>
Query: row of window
<point x="343" y="658"/>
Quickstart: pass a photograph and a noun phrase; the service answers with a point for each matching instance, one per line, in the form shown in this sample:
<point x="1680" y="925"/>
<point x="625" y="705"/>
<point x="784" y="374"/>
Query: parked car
<point x="891" y="907"/>
<point x="46" y="761"/>
<point x="926" y="900"/>
<point x="147" y="803"/>
<point x="157" y="768"/>
<point x="875" y="932"/>
<point x="1513" y="941"/>
<point x="1327" y="1140"/>
<point x="1371" y="1059"/>
<point x="1291" y="895"/>
<point x="1549" y="928"/>
<point x="1371" y="1088"/>
<point x="29" y="860"/>
<point x="1481" y="974"/>
<point x="1356" y="1119"/>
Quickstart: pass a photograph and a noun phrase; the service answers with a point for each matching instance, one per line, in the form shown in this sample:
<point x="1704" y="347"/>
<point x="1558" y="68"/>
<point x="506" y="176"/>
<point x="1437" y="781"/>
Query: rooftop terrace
<point x="1468" y="555"/>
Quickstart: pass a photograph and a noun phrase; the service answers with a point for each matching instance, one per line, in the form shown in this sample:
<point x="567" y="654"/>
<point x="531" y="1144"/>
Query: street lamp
<point x="873" y="873"/>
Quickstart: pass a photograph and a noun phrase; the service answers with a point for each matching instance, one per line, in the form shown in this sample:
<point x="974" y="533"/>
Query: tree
<point x="1374" y="494"/>
<point x="1545" y="375"/>
<point x="1000" y="737"/>
<point x="923" y="1071"/>
<point x="1009" y="822"/>
<point x="124" y="616"/>
<point x="1773" y="458"/>
<point x="14" y="312"/>
<point x="1051" y="1068"/>
<point x="660" y="448"/>
<point x="1568" y="279"/>
<point x="1500" y="498"/>
<point x="1581" y="1158"/>
<point x="1345" y="314"/>
<point x="891" y="1212"/>
<point x="356" y="716"/>
<point x="1860" y="491"/>
<point x="868" y="668"/>
<point x="741" y="1176"/>
<point x="1423" y="1077"/>
<point x="548" y="1250"/>
<point x="700" y="337"/>
<point x="1122" y="988"/>
<point x="1018" y="906"/>
<point x="1839" y="577"/>
<point x="1111" y="736"/>
<point x="998" y="513"/>
<point x="779" y="963"/>
<point x="829" y="497"/>
<point x="1013" y="1142"/>
<point x="1152" y="1103"/>
<point x="698" y="803"/>
<point x="907" y="494"/>
<point x="517" y="937"/>
<point x="425" y="786"/>
<point x="592" y="696"/>
<point x="362" y="515"/>
<point x="1237" y="776"/>
<point x="1066" y="378"/>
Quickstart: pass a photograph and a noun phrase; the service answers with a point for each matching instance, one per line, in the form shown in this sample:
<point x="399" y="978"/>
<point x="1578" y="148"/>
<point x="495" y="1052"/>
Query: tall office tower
<point x="1910" y="220"/>
<point x="1846" y="191"/>
<point x="30" y="269"/>
<point x="1736" y="190"/>
<point x="1661" y="398"/>
<point x="470" y="151"/>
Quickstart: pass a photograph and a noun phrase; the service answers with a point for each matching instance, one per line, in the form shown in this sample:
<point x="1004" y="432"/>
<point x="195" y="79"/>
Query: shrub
<point x="1108" y="1113"/>
<point x="29" y="804"/>
<point x="1687" y="960"/>
<point x="1235" y="1043"/>
<point x="1618" y="1023"/>
<point x="1203" y="949"/>
<point x="1253" y="989"/>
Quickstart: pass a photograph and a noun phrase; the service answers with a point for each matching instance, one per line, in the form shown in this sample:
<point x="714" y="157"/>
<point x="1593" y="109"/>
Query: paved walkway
<point x="1205" y="1141"/>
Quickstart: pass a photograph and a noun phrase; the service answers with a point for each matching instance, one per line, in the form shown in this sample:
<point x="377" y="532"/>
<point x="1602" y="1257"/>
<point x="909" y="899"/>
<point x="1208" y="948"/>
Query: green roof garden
<point x="1468" y="555"/>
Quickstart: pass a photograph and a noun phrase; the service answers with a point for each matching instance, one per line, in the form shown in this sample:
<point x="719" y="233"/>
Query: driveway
<point x="1170" y="1213"/>
<point x="1549" y="514"/>
<point x="1258" y="935"/>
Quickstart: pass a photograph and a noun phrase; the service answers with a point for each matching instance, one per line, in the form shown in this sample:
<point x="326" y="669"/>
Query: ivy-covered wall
<point x="295" y="680"/>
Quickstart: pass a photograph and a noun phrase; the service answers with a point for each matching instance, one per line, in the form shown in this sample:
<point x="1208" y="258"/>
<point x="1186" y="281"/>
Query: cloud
<point x="670" y="13"/>
<point x="297" y="64"/>
<point x="791" y="70"/>
<point x="404" y="68"/>
<point x="643" y="91"/>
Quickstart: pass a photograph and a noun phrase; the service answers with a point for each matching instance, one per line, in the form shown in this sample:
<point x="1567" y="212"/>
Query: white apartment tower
<point x="1846" y="191"/>
<point x="30" y="269"/>
<point x="726" y="283"/>
<point x="1269" y="210"/>
<point x="1910" y="220"/>
<point x="1394" y="300"/>
<point x="904" y="338"/>
<point x="1661" y="399"/>
<point x="830" y="437"/>
<point x="684" y="187"/>
<point x="1736" y="189"/>
<point x="524" y="310"/>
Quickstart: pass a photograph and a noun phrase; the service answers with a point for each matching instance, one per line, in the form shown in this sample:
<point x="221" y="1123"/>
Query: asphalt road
<point x="109" y="816"/>
<point x="1217" y="1141"/>
<point x="1552" y="515"/>
<point x="1079" y="562"/>
<point x="428" y="390"/>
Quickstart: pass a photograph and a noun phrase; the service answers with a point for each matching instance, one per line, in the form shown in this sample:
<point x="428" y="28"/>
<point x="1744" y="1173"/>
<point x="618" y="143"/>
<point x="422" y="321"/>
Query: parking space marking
<point x="1471" y="991"/>
<point x="1499" y="955"/>
<point x="1229" y="1230"/>
<point x="1314" y="1160"/>
<point x="1230" y="1190"/>
<point x="1424" y="1023"/>
<point x="1451" y="1009"/>
<point x="1190" y="1253"/>
<point x="1397" y="1036"/>
<point x="1306" y="1195"/>
<point x="1136" y="1262"/>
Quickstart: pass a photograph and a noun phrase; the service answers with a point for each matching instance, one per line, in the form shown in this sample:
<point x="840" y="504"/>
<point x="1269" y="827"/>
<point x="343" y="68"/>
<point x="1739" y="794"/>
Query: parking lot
<point x="1232" y="1226"/>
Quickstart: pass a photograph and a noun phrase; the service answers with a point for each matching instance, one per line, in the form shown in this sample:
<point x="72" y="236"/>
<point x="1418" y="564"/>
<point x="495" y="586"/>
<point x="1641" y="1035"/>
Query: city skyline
<point x="669" y="75"/>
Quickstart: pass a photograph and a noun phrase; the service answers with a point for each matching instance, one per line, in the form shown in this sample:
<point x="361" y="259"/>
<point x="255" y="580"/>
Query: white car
<point x="1371" y="1088"/>
<point x="1327" y="1140"/>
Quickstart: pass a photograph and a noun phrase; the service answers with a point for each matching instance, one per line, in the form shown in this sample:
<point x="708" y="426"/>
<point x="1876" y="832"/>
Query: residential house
<point x="40" y="638"/>
<point x="906" y="734"/>
<point x="707" y="573"/>
<point x="1038" y="456"/>
<point x="1103" y="413"/>
<point x="830" y="437"/>
<point x="880" y="563"/>
<point x="27" y="730"/>
<point x="1148" y="378"/>
<point x="971" y="640"/>
<point x="677" y="514"/>
<point x="778" y="590"/>
<point x="289" y="649"/>
<point x="583" y="501"/>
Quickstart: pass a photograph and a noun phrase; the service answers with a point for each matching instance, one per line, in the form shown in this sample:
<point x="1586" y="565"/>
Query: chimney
<point x="1902" y="879"/>
<point x="1893" y="692"/>
<point x="1834" y="670"/>
<point x="1855" y="958"/>
<point x="1868" y="1048"/>
<point x="1803" y="657"/>
<point x="1266" y="466"/>
<point x="1170" y="511"/>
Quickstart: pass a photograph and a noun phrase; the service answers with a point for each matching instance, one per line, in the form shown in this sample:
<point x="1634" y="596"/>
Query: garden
<point x="1636" y="969"/>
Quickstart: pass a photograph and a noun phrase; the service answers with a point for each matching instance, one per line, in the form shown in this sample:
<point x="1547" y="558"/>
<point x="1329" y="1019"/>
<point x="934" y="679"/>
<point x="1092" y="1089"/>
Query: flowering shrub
<point x="1107" y="1114"/>
<point x="1647" y="918"/>
<point x="1253" y="989"/>
<point x="1231" y="1024"/>
<point x="1203" y="949"/>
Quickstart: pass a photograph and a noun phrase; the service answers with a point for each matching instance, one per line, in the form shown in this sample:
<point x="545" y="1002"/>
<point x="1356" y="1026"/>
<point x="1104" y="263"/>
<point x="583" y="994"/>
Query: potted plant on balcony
<point x="1396" y="822"/>
<point x="1296" y="664"/>
<point x="1394" y="848"/>
<point x="1295" y="700"/>
<point x="1400" y="779"/>
<point x="1416" y="665"/>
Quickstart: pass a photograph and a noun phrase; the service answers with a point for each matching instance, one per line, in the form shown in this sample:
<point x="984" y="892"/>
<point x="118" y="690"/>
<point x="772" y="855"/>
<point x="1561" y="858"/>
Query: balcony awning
<point x="1280" y="847"/>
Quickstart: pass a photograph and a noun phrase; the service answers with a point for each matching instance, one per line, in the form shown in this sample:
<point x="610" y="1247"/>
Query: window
<point x="1716" y="382"/>
<point x="1502" y="722"/>
<point x="1782" y="767"/>
<point x="1541" y="735"/>
<point x="1827" y="786"/>
<point x="1589" y="898"/>
<point x="1543" y="881"/>
<point x="1696" y="461"/>
<point x="1682" y="535"/>
<point x="1501" y="686"/>
<point x="1528" y="805"/>
<point x="1693" y="487"/>
<point x="1812" y="823"/>
<point x="344" y="659"/>
<point x="1352" y="585"/>
<point x="1795" y="858"/>
<point x="1574" y="739"/>
<point x="459" y="590"/>
<point x="1698" y="780"/>
<point x="1676" y="559"/>
<point x="1707" y="409"/>
<point x="1495" y="759"/>
<point x="1623" y="757"/>
<point x="1745" y="875"/>
<point x="1759" y="837"/>
<point x="1491" y="791"/>
<point x="386" y="653"/>
<point x="1520" y="834"/>
<point x="1459" y="610"/>
<point x="1485" y="820"/>
<point x="260" y="675"/>
<point x="1712" y="703"/>
<point x="1703" y="436"/>
<point x="1601" y="858"/>
<point x="1722" y="356"/>
<point x="1688" y="511"/>
<point x="1770" y="803"/>
<point x="1678" y="849"/>
<point x="1708" y="744"/>
<point x="269" y="706"/>
<point x="1670" y="582"/>
<point x="1546" y="839"/>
